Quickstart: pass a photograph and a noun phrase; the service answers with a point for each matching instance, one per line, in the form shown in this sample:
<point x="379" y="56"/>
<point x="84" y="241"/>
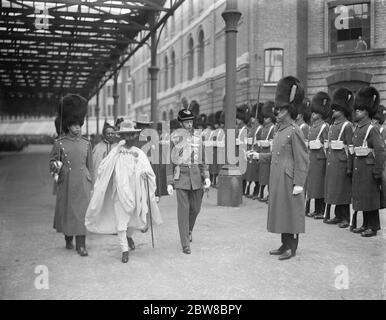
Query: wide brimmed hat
<point x="185" y="115"/>
<point x="367" y="98"/>
<point x="127" y="126"/>
<point x="343" y="100"/>
<point x="143" y="119"/>
<point x="321" y="103"/>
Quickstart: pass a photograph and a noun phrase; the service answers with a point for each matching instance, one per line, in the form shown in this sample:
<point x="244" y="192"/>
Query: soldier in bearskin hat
<point x="339" y="158"/>
<point x="318" y="136"/>
<point x="304" y="117"/>
<point x="189" y="176"/>
<point x="252" y="173"/>
<point x="289" y="166"/>
<point x="264" y="142"/>
<point x="71" y="160"/>
<point x="215" y="167"/>
<point x="368" y="163"/>
<point x="242" y="119"/>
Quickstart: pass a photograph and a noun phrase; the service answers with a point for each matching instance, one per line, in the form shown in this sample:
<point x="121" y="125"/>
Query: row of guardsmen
<point x="345" y="135"/>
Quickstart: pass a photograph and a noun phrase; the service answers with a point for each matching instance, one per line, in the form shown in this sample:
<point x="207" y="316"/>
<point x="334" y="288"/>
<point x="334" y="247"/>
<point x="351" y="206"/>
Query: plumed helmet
<point x="343" y="100"/>
<point x="243" y="113"/>
<point x="367" y="98"/>
<point x="321" y="103"/>
<point x="289" y="94"/>
<point x="184" y="115"/>
<point x="194" y="107"/>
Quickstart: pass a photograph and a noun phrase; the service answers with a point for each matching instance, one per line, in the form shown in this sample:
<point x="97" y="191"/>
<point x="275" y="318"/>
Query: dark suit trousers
<point x="342" y="212"/>
<point x="188" y="207"/>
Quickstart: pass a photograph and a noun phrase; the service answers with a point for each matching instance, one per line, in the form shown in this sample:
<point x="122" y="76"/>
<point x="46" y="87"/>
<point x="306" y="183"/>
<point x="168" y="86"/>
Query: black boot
<point x="80" y="242"/>
<point x="69" y="244"/>
<point x="308" y="201"/>
<point x="131" y="243"/>
<point x="125" y="256"/>
<point x="354" y="221"/>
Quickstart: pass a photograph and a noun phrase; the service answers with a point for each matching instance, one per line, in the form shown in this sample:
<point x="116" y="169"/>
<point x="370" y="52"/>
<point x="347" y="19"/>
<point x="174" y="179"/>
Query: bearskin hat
<point x="243" y="113"/>
<point x="305" y="110"/>
<point x="289" y="94"/>
<point x="343" y="100"/>
<point x="267" y="111"/>
<point x="321" y="103"/>
<point x="217" y="117"/>
<point x="367" y="98"/>
<point x="72" y="110"/>
<point x="380" y="115"/>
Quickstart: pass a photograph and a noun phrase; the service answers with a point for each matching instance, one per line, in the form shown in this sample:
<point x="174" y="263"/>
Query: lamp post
<point x="97" y="109"/>
<point x="153" y="71"/>
<point x="230" y="179"/>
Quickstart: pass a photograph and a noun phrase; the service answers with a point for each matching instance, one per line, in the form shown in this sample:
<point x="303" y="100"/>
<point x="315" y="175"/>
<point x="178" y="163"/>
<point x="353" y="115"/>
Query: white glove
<point x="156" y="199"/>
<point x="170" y="189"/>
<point x="122" y="142"/>
<point x="255" y="155"/>
<point x="297" y="190"/>
<point x="207" y="183"/>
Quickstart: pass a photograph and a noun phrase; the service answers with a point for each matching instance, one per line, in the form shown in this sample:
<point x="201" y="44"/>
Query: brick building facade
<point x="314" y="40"/>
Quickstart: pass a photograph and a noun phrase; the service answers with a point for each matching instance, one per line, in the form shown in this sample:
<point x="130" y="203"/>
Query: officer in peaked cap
<point x="369" y="158"/>
<point x="289" y="167"/>
<point x="189" y="176"/>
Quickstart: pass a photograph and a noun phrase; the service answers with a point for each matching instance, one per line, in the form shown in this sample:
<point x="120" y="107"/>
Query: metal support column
<point x="230" y="179"/>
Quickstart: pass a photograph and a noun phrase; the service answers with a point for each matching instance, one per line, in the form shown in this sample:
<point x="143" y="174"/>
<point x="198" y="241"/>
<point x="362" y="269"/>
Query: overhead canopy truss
<point x="54" y="47"/>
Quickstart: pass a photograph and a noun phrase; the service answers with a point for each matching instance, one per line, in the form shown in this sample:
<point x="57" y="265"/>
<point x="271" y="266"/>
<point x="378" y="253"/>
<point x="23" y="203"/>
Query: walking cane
<point x="151" y="218"/>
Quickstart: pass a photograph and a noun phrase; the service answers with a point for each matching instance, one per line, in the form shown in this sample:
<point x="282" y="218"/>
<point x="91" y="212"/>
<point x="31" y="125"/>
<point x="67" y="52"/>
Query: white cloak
<point x="120" y="198"/>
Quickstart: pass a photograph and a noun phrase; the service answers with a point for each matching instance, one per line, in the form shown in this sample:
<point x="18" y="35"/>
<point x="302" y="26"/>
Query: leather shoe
<point x="319" y="216"/>
<point x="369" y="233"/>
<point x="255" y="198"/>
<point x="335" y="220"/>
<point x="82" y="252"/>
<point x="359" y="230"/>
<point x="186" y="250"/>
<point x="125" y="256"/>
<point x="277" y="252"/>
<point x="344" y="224"/>
<point x="288" y="254"/>
<point x="130" y="242"/>
<point x="311" y="214"/>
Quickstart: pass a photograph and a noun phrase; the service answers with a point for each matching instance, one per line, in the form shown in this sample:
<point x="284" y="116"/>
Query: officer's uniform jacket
<point x="188" y="170"/>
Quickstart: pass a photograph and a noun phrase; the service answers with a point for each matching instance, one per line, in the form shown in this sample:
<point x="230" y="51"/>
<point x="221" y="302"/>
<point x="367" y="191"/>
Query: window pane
<point x="273" y="65"/>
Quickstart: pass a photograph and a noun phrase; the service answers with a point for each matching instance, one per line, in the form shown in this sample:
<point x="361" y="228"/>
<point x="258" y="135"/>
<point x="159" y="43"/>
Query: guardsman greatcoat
<point x="304" y="127"/>
<point x="289" y="166"/>
<point x="74" y="184"/>
<point x="364" y="186"/>
<point x="337" y="182"/>
<point x="317" y="168"/>
<point x="267" y="133"/>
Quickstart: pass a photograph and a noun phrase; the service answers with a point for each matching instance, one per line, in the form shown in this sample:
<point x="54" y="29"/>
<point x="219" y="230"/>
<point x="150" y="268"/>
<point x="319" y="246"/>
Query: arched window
<point x="166" y="75"/>
<point x="173" y="70"/>
<point x="171" y="114"/>
<point x="190" y="59"/>
<point x="201" y="57"/>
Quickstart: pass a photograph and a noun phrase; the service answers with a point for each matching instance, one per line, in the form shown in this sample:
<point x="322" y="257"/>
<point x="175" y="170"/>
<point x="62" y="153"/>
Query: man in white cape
<point x="120" y="200"/>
